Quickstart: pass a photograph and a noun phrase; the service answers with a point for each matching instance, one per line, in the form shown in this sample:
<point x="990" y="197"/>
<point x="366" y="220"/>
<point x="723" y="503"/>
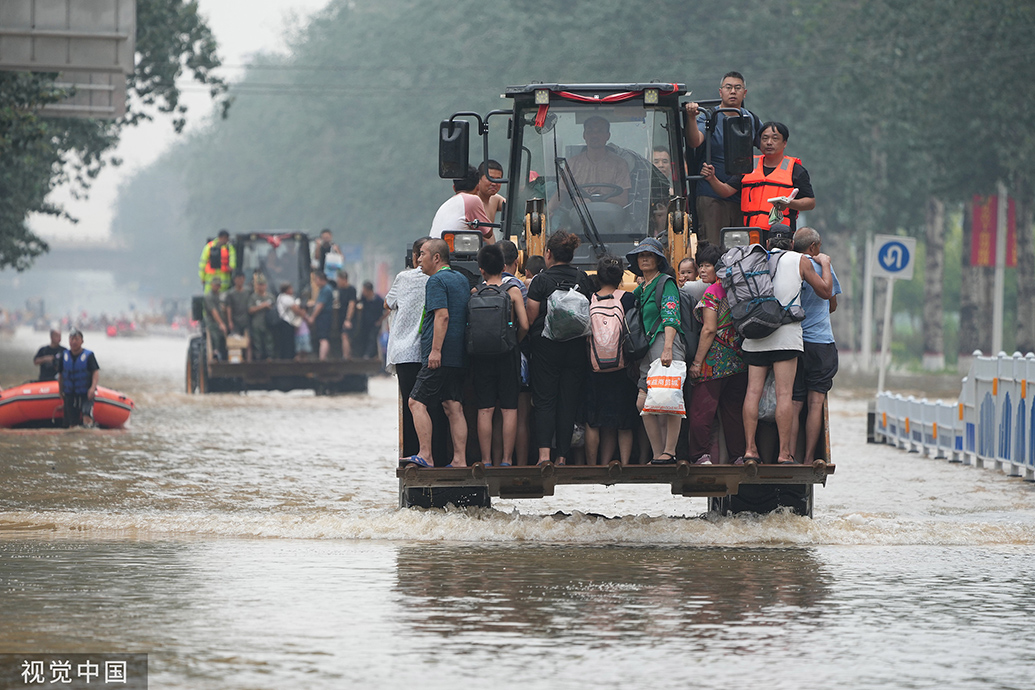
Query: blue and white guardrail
<point x="991" y="425"/>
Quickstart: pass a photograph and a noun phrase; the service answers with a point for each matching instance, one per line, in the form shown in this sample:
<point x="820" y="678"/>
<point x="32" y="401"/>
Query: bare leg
<point x="756" y="381"/>
<point x="625" y="445"/>
<point x="783" y="377"/>
<point x="652" y="425"/>
<point x="509" y="431"/>
<point x="813" y="425"/>
<point x="796" y="425"/>
<point x="671" y="426"/>
<point x="346" y="347"/>
<point x="592" y="444"/>
<point x="458" y="430"/>
<point x="422" y="425"/>
<point x="608" y="437"/>
<point x="325" y="348"/>
<point x="485" y="434"/>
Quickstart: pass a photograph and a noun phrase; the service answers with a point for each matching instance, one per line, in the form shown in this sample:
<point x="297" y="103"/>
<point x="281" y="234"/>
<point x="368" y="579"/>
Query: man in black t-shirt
<point x="47" y="356"/>
<point x="346" y="312"/>
<point x="371" y="308"/>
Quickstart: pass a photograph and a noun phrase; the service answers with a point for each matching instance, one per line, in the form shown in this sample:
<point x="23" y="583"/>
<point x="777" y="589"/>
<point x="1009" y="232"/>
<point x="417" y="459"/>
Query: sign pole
<point x="1000" y="271"/>
<point x="885" y="339"/>
<point x="866" y="346"/>
<point x="894" y="258"/>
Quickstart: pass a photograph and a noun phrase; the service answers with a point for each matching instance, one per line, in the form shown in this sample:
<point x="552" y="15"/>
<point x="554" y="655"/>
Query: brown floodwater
<point x="253" y="541"/>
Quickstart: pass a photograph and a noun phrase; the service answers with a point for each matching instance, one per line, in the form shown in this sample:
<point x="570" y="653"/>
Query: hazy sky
<point x="242" y="27"/>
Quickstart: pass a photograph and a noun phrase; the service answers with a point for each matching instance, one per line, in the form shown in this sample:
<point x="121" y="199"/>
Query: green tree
<point x="39" y="153"/>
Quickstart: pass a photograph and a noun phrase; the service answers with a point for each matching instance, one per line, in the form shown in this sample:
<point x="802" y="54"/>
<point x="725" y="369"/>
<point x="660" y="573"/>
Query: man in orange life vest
<point x="775" y="175"/>
<point x="218" y="260"/>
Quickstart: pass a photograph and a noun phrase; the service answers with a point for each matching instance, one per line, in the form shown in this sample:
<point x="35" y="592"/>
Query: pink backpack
<point x="607" y="332"/>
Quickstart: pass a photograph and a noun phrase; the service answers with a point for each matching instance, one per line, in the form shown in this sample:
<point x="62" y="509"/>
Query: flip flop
<point x="747" y="461"/>
<point x="414" y="460"/>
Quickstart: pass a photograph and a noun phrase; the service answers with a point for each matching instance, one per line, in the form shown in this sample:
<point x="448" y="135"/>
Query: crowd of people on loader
<point x="565" y="395"/>
<point x="273" y="321"/>
<point x="605" y="393"/>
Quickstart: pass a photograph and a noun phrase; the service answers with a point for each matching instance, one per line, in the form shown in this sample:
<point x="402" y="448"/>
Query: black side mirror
<point x="453" y="148"/>
<point x="737" y="144"/>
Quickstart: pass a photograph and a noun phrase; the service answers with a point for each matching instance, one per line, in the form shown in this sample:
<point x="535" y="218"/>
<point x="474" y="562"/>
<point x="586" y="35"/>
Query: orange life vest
<point x="223" y="265"/>
<point x="756" y="188"/>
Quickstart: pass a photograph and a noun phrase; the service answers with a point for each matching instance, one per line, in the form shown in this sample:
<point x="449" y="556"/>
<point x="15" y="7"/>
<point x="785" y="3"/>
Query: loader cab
<point x="281" y="256"/>
<point x="582" y="160"/>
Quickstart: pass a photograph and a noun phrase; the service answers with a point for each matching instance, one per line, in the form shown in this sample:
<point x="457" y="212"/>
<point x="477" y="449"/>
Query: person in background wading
<point x="558" y="369"/>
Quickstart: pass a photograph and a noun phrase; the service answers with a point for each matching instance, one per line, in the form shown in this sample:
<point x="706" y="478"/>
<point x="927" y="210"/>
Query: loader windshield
<point x="595" y="167"/>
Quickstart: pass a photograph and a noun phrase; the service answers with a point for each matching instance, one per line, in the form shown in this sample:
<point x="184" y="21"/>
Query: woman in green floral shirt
<point x="664" y="330"/>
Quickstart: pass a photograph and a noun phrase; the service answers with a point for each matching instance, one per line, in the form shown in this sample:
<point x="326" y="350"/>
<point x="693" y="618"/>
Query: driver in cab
<point x="598" y="171"/>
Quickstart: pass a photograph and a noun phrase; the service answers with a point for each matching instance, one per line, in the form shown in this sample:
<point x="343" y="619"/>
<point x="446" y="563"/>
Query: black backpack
<point x="490" y="321"/>
<point x="747" y="275"/>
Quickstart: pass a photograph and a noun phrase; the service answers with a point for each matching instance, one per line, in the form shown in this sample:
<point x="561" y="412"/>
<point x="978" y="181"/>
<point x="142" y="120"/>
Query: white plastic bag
<point x="767" y="403"/>
<point x="665" y="389"/>
<point x="567" y="315"/>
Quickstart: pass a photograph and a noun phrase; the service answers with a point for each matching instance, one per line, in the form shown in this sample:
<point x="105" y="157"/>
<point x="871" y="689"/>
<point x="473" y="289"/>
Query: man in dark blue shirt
<point x="441" y="378"/>
<point x="713" y="211"/>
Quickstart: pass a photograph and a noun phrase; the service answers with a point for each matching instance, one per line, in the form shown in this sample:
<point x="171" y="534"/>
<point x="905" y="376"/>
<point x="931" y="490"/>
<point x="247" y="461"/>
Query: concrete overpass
<point x="83" y="256"/>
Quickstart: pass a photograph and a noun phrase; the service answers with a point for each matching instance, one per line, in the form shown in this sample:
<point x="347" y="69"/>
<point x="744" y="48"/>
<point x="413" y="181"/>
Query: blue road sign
<point x="895" y="256"/>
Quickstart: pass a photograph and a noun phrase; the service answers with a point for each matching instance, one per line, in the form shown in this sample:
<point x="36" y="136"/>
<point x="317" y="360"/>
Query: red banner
<point x="983" y="231"/>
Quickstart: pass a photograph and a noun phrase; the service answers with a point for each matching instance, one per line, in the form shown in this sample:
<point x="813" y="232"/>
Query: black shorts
<point x="766" y="359"/>
<point x="496" y="378"/>
<point x="433" y="386"/>
<point x="816" y="370"/>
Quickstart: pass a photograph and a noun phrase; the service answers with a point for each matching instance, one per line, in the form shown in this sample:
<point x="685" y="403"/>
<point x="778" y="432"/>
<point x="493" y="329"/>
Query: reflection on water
<point x="606" y="593"/>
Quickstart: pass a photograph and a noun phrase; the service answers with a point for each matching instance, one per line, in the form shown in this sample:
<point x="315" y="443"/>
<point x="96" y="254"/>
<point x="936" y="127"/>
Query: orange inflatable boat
<point x="38" y="404"/>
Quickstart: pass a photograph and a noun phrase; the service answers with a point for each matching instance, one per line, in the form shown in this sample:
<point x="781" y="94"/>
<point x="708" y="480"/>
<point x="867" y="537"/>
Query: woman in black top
<point x="558" y="369"/>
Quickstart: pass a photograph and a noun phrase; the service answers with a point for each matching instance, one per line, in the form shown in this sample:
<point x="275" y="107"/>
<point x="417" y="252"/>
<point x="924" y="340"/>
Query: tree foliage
<point x="889" y="103"/>
<point x="39" y="153"/>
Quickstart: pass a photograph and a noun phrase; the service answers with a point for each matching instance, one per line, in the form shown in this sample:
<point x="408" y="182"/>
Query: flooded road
<point x="253" y="541"/>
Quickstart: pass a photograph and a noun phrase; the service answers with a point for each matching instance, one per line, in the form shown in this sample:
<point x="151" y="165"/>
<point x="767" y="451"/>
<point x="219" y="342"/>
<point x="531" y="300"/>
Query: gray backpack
<point x="747" y="276"/>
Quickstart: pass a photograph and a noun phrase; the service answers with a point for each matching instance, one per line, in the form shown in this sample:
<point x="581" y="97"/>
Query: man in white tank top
<point x="780" y="349"/>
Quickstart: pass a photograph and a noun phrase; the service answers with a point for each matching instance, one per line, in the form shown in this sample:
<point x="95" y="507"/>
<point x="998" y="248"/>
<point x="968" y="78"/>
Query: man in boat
<point x="78" y="373"/>
<point x="47" y="356"/>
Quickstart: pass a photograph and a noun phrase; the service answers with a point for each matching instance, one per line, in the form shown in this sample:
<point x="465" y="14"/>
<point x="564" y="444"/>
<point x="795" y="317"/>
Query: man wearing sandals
<point x="441" y="377"/>
<point x="780" y="349"/>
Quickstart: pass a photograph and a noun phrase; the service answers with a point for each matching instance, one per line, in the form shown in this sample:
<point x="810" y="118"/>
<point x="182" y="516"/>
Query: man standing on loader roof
<point x="714" y="211"/>
<point x="218" y="260"/>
